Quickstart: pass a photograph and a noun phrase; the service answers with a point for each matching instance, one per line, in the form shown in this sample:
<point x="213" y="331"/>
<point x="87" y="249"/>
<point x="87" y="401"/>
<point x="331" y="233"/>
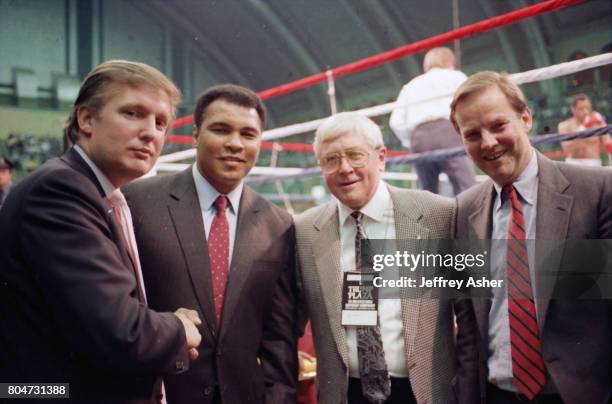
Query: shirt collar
<point x="105" y="183"/>
<point x="374" y="209"/>
<point x="526" y="184"/>
<point x="208" y="194"/>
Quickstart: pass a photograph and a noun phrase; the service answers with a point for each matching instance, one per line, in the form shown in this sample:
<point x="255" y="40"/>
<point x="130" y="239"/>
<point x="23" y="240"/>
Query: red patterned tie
<point x="529" y="374"/>
<point x="218" y="254"/>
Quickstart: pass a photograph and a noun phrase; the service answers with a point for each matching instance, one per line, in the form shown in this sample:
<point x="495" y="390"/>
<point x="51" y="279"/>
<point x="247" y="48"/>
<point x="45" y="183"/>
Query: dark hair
<point x="579" y="97"/>
<point x="233" y="94"/>
<point x="6" y="163"/>
<point x="97" y="86"/>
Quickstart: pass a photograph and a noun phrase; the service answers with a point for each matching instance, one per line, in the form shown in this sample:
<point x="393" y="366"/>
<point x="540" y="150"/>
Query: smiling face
<point x="354" y="187"/>
<point x="494" y="134"/>
<point x="124" y="138"/>
<point x="227" y="143"/>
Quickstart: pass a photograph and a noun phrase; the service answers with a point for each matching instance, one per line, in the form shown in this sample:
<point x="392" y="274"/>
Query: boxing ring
<point x="273" y="139"/>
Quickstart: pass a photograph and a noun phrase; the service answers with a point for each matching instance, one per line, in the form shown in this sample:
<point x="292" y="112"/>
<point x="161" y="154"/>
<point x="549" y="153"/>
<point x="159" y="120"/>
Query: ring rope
<point x="402" y="51"/>
<point x="440" y="155"/>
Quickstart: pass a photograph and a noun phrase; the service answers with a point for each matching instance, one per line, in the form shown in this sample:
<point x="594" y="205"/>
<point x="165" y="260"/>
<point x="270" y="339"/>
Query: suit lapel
<point x="327" y="250"/>
<point x="74" y="159"/>
<point x="552" y="221"/>
<point x="241" y="266"/>
<point x="479" y="228"/>
<point x="185" y="212"/>
<point x="480" y="219"/>
<point x="407" y="215"/>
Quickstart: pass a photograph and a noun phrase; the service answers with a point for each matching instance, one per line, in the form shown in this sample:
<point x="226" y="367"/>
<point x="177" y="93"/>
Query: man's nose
<point x="234" y="142"/>
<point x="344" y="167"/>
<point x="488" y="139"/>
<point x="149" y="128"/>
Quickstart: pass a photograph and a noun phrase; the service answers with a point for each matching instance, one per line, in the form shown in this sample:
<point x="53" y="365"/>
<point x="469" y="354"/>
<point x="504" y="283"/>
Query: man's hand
<point x="190" y="320"/>
<point x="307" y="365"/>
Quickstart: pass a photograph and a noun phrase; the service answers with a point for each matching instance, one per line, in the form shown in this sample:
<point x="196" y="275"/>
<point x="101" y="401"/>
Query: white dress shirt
<point x="207" y="196"/>
<point x="425" y="98"/>
<point x="378" y="223"/>
<point x="500" y="356"/>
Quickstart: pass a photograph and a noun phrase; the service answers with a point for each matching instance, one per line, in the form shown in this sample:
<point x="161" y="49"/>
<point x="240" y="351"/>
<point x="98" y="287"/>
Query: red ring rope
<point x="384" y="57"/>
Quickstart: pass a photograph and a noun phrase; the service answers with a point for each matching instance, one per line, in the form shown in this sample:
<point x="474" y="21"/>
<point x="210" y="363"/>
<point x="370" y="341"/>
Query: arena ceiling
<point x="266" y="43"/>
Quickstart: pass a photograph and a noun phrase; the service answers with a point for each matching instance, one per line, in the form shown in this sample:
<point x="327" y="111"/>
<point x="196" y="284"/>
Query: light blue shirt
<point x="500" y="356"/>
<point x="207" y="195"/>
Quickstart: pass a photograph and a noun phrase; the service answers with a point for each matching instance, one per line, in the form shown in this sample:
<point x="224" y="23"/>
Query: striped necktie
<point x="528" y="371"/>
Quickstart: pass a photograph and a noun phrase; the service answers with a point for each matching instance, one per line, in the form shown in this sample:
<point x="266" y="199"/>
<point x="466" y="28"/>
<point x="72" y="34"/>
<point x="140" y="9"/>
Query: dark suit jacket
<point x="69" y="305"/>
<point x="573" y="203"/>
<point x="253" y="356"/>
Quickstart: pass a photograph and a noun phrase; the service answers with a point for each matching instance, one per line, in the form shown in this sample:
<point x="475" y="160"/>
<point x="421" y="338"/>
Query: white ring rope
<point x="530" y="76"/>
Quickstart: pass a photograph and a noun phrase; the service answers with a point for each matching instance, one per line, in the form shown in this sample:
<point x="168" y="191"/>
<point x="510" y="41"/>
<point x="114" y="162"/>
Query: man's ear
<point x="527" y="119"/>
<point x="85" y="117"/>
<point x="382" y="153"/>
<point x="195" y="133"/>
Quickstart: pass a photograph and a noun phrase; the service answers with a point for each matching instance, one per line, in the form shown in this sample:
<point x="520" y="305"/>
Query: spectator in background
<point x="605" y="71"/>
<point x="584" y="151"/>
<point x="6" y="178"/>
<point x="421" y="120"/>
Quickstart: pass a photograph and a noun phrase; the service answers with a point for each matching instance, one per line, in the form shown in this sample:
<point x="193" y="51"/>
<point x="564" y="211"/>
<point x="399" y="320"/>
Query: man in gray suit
<point x="411" y="349"/>
<point x="532" y="345"/>
<point x="208" y="241"/>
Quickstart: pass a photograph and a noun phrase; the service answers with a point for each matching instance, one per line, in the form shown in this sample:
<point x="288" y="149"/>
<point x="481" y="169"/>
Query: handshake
<point x="190" y="320"/>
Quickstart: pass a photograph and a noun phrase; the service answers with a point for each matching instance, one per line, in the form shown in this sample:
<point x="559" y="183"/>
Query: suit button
<point x="208" y="390"/>
<point x="219" y="352"/>
<point x="179" y="365"/>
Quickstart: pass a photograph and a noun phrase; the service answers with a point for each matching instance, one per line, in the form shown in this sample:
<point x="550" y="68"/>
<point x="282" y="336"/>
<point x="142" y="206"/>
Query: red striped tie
<point x="529" y="374"/>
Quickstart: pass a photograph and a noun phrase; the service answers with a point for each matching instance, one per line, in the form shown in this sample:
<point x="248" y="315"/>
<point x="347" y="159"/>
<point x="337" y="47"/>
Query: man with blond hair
<point x="537" y="343"/>
<point x="420" y="120"/>
<point x="72" y="300"/>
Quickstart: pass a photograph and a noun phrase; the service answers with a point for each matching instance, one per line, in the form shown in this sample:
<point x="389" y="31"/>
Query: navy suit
<point x="70" y="310"/>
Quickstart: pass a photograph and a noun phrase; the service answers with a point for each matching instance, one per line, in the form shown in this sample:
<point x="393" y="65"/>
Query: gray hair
<point x="348" y="122"/>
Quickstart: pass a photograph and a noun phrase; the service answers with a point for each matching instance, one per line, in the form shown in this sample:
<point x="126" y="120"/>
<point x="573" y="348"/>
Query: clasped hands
<point x="190" y="320"/>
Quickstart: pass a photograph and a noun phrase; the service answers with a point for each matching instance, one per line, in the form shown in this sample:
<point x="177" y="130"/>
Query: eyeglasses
<point x="356" y="158"/>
